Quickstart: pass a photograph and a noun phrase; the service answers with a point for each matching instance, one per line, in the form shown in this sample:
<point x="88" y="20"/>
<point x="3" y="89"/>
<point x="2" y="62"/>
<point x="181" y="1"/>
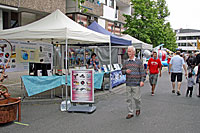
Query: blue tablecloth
<point x="37" y="84"/>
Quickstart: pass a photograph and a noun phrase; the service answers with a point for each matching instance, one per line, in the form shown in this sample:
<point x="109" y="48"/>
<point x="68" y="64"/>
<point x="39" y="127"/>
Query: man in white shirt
<point x="176" y="66"/>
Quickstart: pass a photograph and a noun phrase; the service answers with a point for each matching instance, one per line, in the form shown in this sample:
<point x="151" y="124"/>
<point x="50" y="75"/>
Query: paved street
<point x="163" y="113"/>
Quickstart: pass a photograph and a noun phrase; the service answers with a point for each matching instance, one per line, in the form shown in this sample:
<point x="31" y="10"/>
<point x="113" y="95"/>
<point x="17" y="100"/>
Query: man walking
<point x="154" y="67"/>
<point x="175" y="68"/>
<point x="135" y="77"/>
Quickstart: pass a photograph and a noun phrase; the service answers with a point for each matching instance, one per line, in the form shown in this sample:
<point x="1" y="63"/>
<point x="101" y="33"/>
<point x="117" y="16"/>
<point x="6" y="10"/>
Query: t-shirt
<point x="154" y="64"/>
<point x="177" y="64"/>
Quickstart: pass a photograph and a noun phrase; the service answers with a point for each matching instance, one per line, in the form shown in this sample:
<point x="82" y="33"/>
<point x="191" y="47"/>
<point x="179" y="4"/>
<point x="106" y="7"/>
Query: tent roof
<point x="55" y="26"/>
<point x="137" y="43"/>
<point x="114" y="39"/>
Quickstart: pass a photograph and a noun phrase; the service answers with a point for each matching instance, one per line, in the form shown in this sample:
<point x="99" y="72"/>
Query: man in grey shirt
<point x="176" y="66"/>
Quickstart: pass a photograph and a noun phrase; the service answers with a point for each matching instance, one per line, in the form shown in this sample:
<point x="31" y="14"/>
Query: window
<point x="111" y="4"/>
<point x="106" y="2"/>
<point x="10" y="19"/>
<point x="5" y="20"/>
<point x="14" y="20"/>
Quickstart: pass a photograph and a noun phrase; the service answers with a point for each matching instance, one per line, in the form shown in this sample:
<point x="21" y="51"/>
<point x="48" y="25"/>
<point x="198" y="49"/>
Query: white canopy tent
<point x="58" y="27"/>
<point x="137" y="43"/>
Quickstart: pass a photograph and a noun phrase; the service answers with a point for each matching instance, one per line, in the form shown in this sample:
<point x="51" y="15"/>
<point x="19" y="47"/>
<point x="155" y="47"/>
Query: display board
<point x="117" y="78"/>
<point x="82" y="86"/>
<point x="25" y="52"/>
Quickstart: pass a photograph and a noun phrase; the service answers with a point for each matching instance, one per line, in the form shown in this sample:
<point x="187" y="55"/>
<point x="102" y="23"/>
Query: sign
<point x="25" y="52"/>
<point x="117" y="78"/>
<point x="82" y="86"/>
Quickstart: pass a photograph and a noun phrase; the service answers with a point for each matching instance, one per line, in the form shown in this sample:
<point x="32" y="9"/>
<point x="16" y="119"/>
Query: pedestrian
<point x="191" y="61"/>
<point x="135" y="77"/>
<point x="197" y="74"/>
<point x="175" y="69"/>
<point x="168" y="60"/>
<point x="197" y="58"/>
<point x="154" y="67"/>
<point x="190" y="83"/>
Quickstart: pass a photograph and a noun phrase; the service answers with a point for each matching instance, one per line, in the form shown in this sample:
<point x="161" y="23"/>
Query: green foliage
<point x="84" y="10"/>
<point x="148" y="23"/>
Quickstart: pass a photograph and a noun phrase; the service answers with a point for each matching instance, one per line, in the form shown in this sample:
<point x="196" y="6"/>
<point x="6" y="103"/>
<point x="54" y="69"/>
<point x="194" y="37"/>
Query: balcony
<point x="93" y="8"/>
<point x="123" y="2"/>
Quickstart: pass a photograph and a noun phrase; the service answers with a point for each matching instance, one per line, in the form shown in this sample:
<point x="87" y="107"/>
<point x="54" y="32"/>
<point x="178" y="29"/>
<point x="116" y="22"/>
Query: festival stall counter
<point x="37" y="84"/>
<point x="117" y="77"/>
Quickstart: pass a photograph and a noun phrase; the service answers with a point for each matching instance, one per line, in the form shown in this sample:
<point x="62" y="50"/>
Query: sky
<point x="184" y="14"/>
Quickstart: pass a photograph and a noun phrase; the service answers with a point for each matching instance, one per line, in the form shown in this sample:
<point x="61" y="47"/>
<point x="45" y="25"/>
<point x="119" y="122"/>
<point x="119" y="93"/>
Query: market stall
<point x="137" y="43"/>
<point x="117" y="43"/>
<point x="56" y="27"/>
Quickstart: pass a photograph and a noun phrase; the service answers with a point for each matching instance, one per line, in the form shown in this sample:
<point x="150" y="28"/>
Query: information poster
<point x="23" y="53"/>
<point x="82" y="86"/>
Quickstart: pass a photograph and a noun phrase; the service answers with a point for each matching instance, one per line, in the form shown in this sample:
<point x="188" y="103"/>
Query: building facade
<point x="14" y="13"/>
<point x="108" y="13"/>
<point x="186" y="39"/>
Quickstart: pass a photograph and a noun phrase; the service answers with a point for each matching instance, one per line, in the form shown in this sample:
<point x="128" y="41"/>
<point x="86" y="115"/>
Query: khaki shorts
<point x="153" y="79"/>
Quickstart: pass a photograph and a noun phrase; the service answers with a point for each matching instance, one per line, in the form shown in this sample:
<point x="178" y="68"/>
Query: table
<point x="38" y="84"/>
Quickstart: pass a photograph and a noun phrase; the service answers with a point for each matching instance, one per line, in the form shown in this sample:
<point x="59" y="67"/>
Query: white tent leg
<point x="110" y="66"/>
<point x="66" y="73"/>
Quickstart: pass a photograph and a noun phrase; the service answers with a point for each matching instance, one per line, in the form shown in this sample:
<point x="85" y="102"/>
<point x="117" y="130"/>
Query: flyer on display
<point x="82" y="86"/>
<point x="25" y="52"/>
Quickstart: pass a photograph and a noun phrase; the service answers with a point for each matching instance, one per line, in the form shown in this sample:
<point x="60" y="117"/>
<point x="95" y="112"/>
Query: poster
<point x="117" y="78"/>
<point x="82" y="86"/>
<point x="23" y="53"/>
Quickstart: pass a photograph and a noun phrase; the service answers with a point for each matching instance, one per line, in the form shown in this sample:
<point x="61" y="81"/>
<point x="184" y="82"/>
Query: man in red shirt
<point x="154" y="66"/>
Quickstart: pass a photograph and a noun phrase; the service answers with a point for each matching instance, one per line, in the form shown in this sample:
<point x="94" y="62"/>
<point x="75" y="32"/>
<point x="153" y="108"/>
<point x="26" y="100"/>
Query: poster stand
<point x="82" y="91"/>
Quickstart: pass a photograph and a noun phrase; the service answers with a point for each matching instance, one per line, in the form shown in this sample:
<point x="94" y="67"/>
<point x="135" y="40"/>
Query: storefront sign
<point x="82" y="86"/>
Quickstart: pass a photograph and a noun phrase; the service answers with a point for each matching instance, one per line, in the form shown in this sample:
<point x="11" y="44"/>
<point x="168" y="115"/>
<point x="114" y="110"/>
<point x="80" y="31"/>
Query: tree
<point x="148" y="23"/>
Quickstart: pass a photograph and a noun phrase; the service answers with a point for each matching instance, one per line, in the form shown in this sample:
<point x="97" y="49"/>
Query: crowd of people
<point x="136" y="75"/>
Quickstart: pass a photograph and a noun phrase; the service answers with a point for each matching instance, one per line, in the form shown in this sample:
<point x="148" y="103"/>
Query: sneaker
<point x="173" y="91"/>
<point x="137" y="112"/>
<point x="178" y="93"/>
<point x="129" y="116"/>
<point x="152" y="93"/>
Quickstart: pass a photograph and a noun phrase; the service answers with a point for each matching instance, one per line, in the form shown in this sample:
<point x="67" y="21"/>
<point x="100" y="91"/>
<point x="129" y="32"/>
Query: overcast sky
<point x="184" y="13"/>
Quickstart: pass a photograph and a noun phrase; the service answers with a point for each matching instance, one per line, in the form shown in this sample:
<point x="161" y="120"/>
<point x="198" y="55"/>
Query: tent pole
<point x="66" y="71"/>
<point x="84" y="57"/>
<point x="110" y="66"/>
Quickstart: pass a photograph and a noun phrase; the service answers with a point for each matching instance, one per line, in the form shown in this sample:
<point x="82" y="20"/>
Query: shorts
<point x="179" y="77"/>
<point x="153" y="79"/>
<point x="145" y="66"/>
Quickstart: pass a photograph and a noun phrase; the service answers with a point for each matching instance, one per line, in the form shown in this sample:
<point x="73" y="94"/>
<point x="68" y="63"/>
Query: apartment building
<point x="108" y="13"/>
<point x="186" y="39"/>
<point x="14" y="13"/>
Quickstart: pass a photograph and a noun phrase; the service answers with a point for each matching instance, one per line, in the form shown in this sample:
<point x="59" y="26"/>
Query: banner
<point x="82" y="86"/>
<point x="117" y="78"/>
<point x="25" y="52"/>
